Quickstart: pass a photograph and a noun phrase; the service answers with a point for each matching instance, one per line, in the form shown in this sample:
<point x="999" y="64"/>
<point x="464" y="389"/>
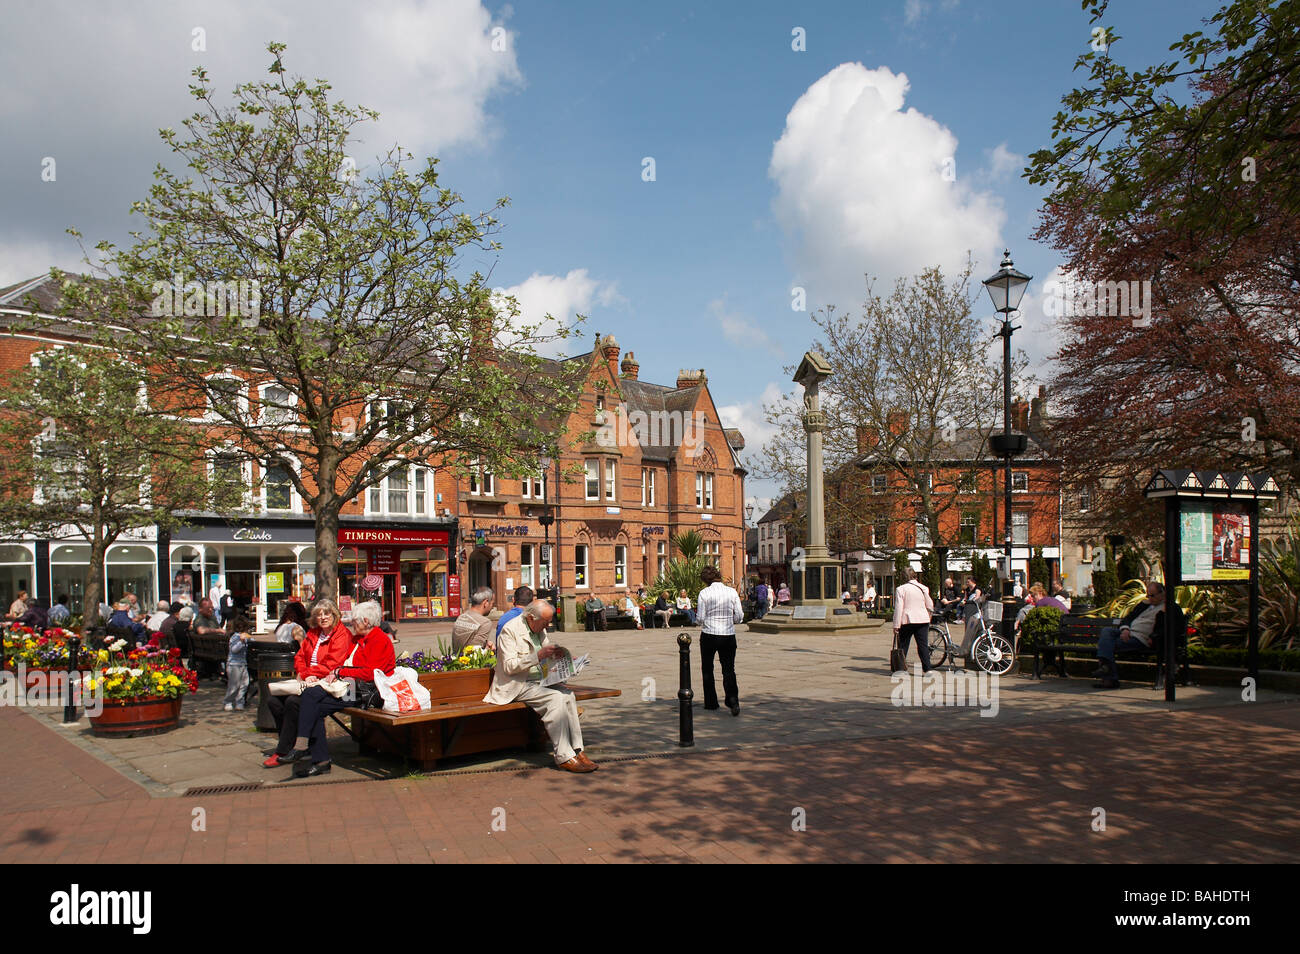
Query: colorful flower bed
<point x="444" y="660"/>
<point x="49" y="650"/>
<point x="142" y="674"/>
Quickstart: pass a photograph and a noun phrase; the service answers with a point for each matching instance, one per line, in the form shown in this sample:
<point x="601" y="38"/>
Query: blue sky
<point x="693" y="269"/>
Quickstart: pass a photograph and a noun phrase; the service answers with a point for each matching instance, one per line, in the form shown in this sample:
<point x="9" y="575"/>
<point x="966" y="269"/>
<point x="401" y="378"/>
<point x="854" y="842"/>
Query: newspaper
<point x="560" y="669"/>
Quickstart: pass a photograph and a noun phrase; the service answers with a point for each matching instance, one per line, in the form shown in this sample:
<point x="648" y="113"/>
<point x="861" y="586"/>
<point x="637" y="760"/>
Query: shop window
<point x="132" y="569"/>
<point x="18" y="572"/>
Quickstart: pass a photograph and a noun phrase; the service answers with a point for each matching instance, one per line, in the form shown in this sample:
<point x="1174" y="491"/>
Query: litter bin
<point x="268" y="662"/>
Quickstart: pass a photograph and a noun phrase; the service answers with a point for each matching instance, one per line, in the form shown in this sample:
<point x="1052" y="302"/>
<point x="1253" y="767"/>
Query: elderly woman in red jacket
<point x="324" y="650"/>
<point x="373" y="649"/>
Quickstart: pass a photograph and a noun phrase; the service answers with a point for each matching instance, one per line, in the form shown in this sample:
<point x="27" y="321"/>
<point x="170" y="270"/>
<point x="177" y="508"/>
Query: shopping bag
<point x="897" y="661"/>
<point x="402" y="691"/>
<point x="285" y="687"/>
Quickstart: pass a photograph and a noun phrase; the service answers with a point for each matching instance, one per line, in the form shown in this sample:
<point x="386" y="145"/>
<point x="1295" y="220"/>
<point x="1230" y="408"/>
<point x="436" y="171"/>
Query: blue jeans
<point x="1110" y="642"/>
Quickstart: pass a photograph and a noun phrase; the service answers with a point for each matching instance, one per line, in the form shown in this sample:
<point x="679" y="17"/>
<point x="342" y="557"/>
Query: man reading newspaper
<point x="516" y="656"/>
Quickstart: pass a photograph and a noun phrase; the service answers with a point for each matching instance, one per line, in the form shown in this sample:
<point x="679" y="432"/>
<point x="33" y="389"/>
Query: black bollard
<point x="684" y="694"/>
<point x="70" y="703"/>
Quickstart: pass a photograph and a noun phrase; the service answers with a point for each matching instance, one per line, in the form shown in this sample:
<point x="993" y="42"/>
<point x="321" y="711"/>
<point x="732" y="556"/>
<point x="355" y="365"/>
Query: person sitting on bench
<point x="1135" y="633"/>
<point x="516" y="655"/>
<point x="663" y="611"/>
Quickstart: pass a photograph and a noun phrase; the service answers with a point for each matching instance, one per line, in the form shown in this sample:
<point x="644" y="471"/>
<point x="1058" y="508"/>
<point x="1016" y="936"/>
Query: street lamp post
<point x="1006" y="288"/>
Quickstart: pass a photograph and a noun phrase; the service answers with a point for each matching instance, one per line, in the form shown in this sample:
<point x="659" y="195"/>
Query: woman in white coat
<point x="913" y="608"/>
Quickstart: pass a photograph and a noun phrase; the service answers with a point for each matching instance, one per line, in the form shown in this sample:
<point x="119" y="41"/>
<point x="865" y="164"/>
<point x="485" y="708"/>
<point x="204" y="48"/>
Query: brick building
<point x="641" y="462"/>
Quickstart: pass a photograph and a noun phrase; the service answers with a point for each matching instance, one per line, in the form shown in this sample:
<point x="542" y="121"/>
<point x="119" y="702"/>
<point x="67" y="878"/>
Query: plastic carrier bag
<point x="402" y="691"/>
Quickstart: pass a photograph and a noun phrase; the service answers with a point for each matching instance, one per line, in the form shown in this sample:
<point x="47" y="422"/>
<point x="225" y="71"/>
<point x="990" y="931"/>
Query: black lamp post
<point x="1006" y="288"/>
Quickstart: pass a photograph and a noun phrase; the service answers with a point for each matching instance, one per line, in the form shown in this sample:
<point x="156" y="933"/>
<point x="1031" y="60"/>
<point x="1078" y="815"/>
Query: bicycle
<point x="991" y="651"/>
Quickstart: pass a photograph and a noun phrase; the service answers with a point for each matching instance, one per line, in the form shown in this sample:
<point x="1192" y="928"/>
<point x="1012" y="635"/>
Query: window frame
<point x="1020" y="476"/>
<point x="611" y="479"/>
<point x="587" y="466"/>
<point x="295" y="502"/>
<point x="1020" y="519"/>
<point x="241" y="401"/>
<point x="581" y="567"/>
<point x="620" y="566"/>
<point x="382" y="489"/>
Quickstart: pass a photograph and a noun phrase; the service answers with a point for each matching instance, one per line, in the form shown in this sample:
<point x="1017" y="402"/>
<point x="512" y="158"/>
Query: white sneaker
<point x="229" y="707"/>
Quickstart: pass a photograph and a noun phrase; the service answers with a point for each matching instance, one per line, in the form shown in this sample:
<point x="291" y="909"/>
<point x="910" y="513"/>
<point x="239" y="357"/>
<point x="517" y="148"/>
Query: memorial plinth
<point x="816" y="580"/>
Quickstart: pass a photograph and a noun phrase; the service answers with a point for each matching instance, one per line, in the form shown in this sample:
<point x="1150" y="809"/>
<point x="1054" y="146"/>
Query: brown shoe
<point x="582" y="757"/>
<point x="576" y="765"/>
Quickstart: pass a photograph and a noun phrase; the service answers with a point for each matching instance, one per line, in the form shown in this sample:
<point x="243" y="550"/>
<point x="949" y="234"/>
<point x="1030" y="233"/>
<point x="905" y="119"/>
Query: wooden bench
<point x="459" y="725"/>
<point x="1082" y="633"/>
<point x="615" y="618"/>
<point x="211" y="650"/>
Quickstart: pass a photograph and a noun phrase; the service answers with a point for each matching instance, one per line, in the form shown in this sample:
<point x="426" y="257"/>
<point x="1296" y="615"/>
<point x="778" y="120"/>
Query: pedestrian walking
<point x="718" y="610"/>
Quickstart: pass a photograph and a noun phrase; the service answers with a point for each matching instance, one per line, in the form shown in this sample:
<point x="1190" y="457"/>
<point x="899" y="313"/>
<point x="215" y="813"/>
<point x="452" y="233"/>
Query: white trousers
<point x="559" y="714"/>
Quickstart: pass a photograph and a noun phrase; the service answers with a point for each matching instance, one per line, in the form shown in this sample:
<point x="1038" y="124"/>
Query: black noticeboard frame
<point x="1179" y="488"/>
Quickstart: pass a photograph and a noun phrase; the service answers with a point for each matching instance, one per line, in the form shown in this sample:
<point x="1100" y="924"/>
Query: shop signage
<point x="354" y="536"/>
<point x="500" y="530"/>
<point x="384" y="559"/>
<point x="652" y="531"/>
<point x="275" y="582"/>
<point x="223" y="533"/>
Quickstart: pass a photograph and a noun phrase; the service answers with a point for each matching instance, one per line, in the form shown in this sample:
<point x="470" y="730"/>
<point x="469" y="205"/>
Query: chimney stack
<point x="630" y="367"/>
<point x="609" y="348"/>
<point x="868" y="439"/>
<point x="690" y="378"/>
<point x="1020" y="415"/>
<point x="897" y="422"/>
<point x="1038" y="411"/>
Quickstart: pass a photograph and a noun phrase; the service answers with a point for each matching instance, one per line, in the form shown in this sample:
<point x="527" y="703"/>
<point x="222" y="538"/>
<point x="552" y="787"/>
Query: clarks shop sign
<point x="227" y="534"/>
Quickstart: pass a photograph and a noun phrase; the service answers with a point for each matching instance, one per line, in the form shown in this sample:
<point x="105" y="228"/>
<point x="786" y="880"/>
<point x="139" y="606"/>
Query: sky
<point x="676" y="171"/>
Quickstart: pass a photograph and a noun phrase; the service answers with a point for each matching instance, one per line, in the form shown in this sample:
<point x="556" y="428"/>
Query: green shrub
<point x="1235" y="657"/>
<point x="1040" y="626"/>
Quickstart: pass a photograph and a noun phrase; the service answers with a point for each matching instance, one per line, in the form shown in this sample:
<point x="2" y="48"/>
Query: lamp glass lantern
<point x="1007" y="286"/>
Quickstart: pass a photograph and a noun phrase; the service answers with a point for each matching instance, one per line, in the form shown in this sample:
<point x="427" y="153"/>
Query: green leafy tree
<point x="1038" y="569"/>
<point x="930" y="571"/>
<point x="366" y="347"/>
<point x="87" y="457"/>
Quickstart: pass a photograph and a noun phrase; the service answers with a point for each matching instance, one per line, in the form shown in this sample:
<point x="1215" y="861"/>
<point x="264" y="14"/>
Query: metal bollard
<point x="70" y="704"/>
<point x="684" y="694"/>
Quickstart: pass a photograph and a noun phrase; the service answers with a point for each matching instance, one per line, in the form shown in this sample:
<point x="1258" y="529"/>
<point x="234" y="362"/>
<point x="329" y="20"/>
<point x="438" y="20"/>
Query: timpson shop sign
<point x="357" y="537"/>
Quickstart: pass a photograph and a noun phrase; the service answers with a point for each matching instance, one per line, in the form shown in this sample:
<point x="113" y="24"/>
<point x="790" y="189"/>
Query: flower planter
<point x="450" y="685"/>
<point x="137" y="717"/>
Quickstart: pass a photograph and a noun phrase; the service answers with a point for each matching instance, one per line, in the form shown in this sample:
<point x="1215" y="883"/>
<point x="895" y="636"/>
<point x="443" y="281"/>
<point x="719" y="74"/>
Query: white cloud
<point x="1003" y="162"/>
<point x="751" y="419"/>
<point x="560" y="297"/>
<point x="740" y="329"/>
<point x="865" y="185"/>
<point x="428" y="66"/>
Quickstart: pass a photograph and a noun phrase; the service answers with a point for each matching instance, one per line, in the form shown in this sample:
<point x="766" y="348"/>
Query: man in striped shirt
<point x="718" y="611"/>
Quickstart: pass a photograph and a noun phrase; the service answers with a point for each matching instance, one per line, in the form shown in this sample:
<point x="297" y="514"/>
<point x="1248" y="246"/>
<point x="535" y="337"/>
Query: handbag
<point x="897" y="661"/>
<point x="285" y="687"/>
<point x="365" y="695"/>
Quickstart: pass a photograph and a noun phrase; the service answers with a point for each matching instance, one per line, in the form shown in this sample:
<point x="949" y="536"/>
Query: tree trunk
<point x="93" y="586"/>
<point x="327" y="552"/>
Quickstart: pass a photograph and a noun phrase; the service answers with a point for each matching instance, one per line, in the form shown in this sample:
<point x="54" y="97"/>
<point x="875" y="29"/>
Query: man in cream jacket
<point x="516" y="655"/>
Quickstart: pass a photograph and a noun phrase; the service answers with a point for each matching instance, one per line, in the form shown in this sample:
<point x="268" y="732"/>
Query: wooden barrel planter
<point x="457" y="685"/>
<point x="137" y="717"/>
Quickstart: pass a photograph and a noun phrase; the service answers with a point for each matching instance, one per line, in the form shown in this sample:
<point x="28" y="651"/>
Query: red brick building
<point x="641" y="462"/>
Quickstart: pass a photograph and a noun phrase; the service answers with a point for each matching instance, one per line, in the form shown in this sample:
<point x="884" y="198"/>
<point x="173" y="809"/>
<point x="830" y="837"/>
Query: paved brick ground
<point x="1207" y="784"/>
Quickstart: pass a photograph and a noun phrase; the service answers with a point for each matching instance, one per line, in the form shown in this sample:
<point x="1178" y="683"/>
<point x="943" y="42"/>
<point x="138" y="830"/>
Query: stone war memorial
<point x="815" y="577"/>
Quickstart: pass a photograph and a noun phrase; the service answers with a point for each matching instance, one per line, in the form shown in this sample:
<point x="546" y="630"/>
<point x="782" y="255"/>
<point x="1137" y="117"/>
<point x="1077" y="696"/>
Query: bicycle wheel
<point x="938" y="646"/>
<point x="993" y="654"/>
